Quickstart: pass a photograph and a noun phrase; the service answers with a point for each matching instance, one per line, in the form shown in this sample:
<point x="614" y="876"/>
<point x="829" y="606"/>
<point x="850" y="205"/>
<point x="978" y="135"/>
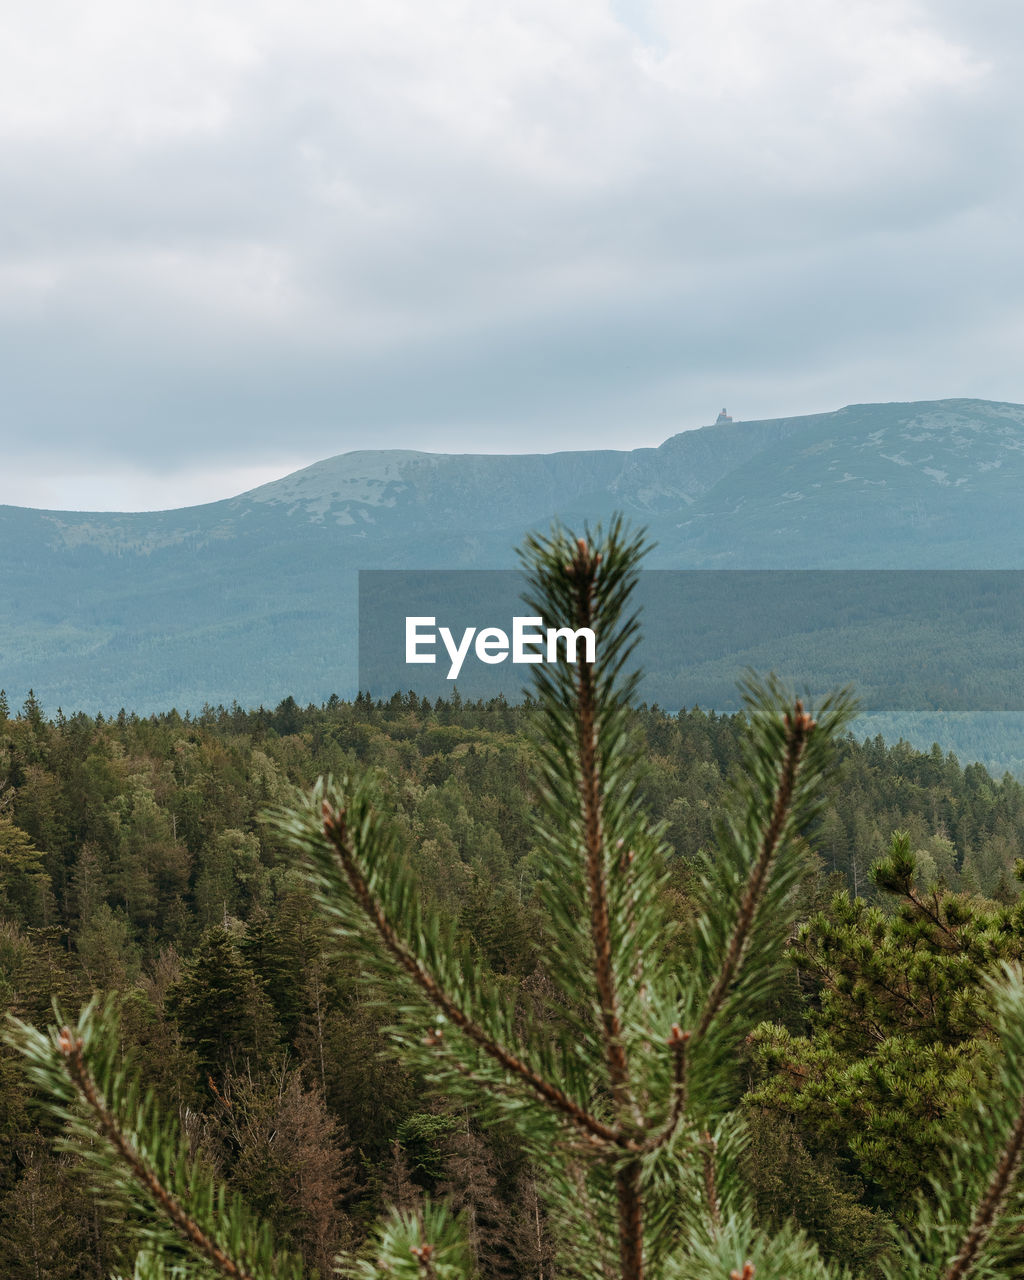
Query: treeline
<point x="134" y="859"/>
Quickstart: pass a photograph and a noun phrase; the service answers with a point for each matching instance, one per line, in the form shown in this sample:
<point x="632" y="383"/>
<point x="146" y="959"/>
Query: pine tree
<point x="625" y="1102"/>
<point x="219" y="1004"/>
<point x="900" y="1024"/>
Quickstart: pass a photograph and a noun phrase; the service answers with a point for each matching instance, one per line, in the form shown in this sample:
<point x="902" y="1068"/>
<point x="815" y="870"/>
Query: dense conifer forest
<point x="135" y="858"/>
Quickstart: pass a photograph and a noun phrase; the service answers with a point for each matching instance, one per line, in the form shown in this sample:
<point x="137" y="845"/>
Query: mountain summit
<point x="254" y="597"/>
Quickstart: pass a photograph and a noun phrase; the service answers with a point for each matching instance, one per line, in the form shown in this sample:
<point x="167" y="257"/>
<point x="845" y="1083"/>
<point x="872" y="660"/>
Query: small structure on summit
<point x="722" y="417"/>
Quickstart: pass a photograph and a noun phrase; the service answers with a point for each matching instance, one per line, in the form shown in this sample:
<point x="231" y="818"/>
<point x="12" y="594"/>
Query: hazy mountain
<point x="254" y="597"/>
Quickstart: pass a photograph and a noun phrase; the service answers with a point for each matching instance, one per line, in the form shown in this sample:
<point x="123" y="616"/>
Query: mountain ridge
<point x="252" y="597"/>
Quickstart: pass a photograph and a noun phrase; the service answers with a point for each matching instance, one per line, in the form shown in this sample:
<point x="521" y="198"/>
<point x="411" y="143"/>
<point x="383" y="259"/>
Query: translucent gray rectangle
<point x="907" y="640"/>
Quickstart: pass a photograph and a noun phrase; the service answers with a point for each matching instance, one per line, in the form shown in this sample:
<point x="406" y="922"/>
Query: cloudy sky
<point x="242" y="235"/>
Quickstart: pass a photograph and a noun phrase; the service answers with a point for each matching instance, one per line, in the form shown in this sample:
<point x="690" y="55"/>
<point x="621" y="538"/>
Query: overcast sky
<point x="242" y="235"/>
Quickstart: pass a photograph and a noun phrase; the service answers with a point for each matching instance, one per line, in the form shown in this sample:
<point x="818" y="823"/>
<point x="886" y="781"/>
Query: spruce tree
<point x="220" y="1006"/>
<point x="624" y="1099"/>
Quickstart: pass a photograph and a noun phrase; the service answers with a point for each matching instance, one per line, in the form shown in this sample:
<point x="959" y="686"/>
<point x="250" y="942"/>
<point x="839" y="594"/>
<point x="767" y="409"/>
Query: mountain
<point x="254" y="597"/>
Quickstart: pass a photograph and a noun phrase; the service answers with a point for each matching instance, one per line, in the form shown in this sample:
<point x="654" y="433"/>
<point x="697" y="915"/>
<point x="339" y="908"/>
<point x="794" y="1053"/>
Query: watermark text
<point x="530" y="641"/>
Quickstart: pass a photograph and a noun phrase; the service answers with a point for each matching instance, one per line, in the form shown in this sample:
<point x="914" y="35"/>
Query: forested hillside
<point x="254" y="596"/>
<point x="134" y="858"/>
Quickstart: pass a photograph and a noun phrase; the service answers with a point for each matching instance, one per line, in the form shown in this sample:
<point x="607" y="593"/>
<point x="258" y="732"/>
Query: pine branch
<point x="427" y="1244"/>
<point x="677" y="1042"/>
<point x="992" y="1202"/>
<point x="631" y="1220"/>
<point x="424" y="1255"/>
<point x="336" y="832"/>
<point x="190" y="1231"/>
<point x="582" y="572"/>
<point x="798" y="728"/>
<point x="185" y="1222"/>
<point x="604" y="856"/>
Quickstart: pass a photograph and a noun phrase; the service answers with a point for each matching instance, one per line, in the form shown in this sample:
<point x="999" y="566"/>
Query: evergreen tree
<point x="23" y="883"/>
<point x="220" y="1007"/>
<point x="625" y="1105"/>
<point x="901" y="1026"/>
<point x="44" y="1233"/>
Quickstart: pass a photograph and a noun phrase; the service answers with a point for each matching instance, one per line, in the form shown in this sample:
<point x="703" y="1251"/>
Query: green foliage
<point x="23" y="880"/>
<point x="410" y="1245"/>
<point x="618" y="1074"/>
<point x="791" y="1184"/>
<point x="423" y="1139"/>
<point x="577" y="983"/>
<point x="901" y="1030"/>
<point x="747" y="889"/>
<point x="181" y="1215"/>
<point x="219" y="1005"/>
<point x="976" y="1178"/>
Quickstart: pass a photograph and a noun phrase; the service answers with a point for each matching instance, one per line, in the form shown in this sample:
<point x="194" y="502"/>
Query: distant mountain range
<point x="253" y="598"/>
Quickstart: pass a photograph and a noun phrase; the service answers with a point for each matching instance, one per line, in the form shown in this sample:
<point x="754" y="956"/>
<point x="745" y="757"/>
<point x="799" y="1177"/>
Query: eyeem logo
<point x="492" y="645"/>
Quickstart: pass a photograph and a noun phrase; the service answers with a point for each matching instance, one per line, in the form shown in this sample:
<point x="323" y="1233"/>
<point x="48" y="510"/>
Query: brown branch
<point x="336" y="833"/>
<point x="631" y="1222"/>
<point x="991" y="1203"/>
<point x="799" y="727"/>
<point x="583" y="570"/>
<point x="189" y="1230"/>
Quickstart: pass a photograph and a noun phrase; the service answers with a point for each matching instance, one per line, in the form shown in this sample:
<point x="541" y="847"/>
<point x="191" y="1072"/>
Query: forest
<point x="136" y="859"/>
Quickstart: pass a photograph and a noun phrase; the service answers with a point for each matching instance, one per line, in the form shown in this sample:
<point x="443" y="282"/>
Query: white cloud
<point x="42" y="483"/>
<point x="447" y="222"/>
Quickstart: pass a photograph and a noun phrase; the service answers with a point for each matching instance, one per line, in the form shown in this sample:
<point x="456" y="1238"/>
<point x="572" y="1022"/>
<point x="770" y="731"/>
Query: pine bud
<point x="334" y="821"/>
<point x="800" y="721"/>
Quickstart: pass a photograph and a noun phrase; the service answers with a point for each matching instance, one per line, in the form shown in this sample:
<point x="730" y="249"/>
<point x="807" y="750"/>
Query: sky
<point x="238" y="236"/>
